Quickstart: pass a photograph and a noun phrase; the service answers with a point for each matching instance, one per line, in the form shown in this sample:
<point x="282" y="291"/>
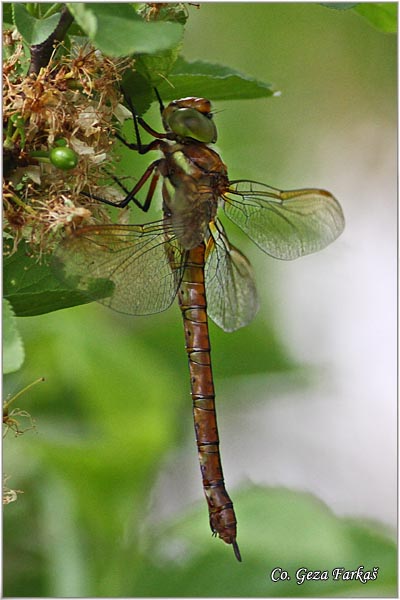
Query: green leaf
<point x="85" y="18"/>
<point x="13" y="350"/>
<point x="277" y="528"/>
<point x="7" y="13"/>
<point x="188" y="79"/>
<point x="339" y="5"/>
<point x="32" y="288"/>
<point x="139" y="89"/>
<point x="382" y="15"/>
<point x="212" y="81"/>
<point x="34" y="31"/>
<point x="156" y="67"/>
<point x="117" y="30"/>
<point x="176" y="12"/>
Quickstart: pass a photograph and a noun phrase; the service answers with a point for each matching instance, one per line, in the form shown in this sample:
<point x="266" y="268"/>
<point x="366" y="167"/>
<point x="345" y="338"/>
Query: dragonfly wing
<point x="230" y="288"/>
<point x="288" y="224"/>
<point x="139" y="267"/>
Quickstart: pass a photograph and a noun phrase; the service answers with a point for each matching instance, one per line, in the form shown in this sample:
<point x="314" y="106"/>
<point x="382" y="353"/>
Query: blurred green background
<point x="306" y="395"/>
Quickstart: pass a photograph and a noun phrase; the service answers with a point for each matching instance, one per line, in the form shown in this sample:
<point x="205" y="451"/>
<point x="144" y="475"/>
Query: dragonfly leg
<point x="130" y="197"/>
<point x="160" y="102"/>
<point x="150" y="130"/>
<point x="119" y="183"/>
<point x="142" y="149"/>
<point x="139" y="147"/>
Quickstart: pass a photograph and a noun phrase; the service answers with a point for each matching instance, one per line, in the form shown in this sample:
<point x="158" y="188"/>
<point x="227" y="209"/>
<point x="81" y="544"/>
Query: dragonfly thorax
<point x="194" y="178"/>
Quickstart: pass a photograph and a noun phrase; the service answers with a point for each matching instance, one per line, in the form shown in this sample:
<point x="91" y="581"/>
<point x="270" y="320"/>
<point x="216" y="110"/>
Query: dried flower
<point x="75" y="99"/>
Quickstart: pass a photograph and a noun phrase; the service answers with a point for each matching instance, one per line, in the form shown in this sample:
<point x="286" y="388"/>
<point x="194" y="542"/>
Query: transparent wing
<point x="133" y="269"/>
<point x="287" y="224"/>
<point x="230" y="288"/>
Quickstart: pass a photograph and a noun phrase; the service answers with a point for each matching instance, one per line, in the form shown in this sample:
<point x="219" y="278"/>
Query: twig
<point x="41" y="53"/>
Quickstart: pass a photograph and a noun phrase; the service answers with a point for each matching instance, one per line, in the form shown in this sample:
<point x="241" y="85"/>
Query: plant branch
<point x="41" y="53"/>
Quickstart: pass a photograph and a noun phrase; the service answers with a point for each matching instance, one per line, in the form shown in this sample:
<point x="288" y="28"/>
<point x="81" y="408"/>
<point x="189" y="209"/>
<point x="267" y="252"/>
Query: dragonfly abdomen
<point x="192" y="301"/>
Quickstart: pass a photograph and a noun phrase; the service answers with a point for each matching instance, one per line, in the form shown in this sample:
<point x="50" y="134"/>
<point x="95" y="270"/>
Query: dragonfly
<point x="187" y="255"/>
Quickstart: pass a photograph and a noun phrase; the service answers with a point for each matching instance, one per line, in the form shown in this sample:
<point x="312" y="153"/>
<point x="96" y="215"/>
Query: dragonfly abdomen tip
<point x="236" y="550"/>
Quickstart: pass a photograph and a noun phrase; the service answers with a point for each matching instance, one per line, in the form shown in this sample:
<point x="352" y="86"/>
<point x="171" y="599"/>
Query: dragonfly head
<point x="190" y="118"/>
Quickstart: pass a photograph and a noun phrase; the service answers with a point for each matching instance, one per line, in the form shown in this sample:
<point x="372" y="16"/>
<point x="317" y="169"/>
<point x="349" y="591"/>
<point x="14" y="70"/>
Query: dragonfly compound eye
<point x="190" y="123"/>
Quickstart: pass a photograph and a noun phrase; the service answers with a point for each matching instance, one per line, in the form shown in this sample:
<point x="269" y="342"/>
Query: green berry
<point x="63" y="158"/>
<point x="61" y="142"/>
